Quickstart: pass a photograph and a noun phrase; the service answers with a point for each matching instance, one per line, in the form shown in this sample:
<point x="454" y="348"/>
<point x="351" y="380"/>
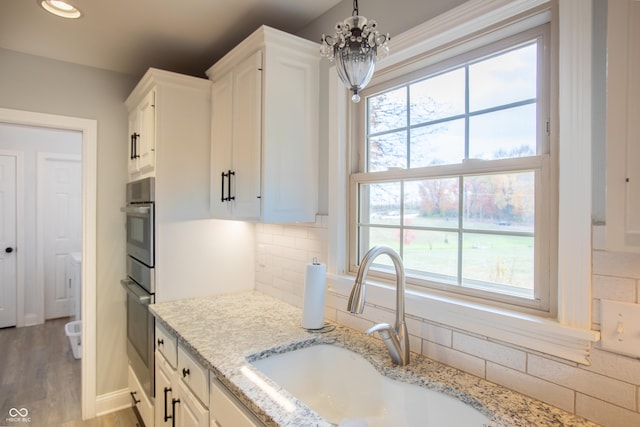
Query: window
<point x="455" y="174"/>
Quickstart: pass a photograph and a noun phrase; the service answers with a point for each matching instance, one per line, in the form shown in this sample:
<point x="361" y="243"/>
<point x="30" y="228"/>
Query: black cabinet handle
<point x="166" y="417"/>
<point x="229" y="186"/>
<point x="185" y="372"/>
<point x="173" y="411"/>
<point x="160" y="342"/>
<point x="133" y="146"/>
<point x="134" y="143"/>
<point x="222" y="199"/>
<point x="9" y="250"/>
<point x="133" y="396"/>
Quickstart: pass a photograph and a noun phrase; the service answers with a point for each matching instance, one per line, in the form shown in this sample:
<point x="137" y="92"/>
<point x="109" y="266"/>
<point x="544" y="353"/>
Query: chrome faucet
<point x="396" y="338"/>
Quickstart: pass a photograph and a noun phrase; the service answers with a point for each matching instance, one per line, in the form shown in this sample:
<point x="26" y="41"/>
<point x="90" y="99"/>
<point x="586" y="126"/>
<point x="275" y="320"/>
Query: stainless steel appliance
<point x="140" y="281"/>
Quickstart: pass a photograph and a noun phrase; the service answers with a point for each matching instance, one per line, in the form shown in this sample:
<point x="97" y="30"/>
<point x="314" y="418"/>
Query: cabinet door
<point x="247" y="137"/>
<point x="221" y="141"/>
<point x="623" y="126"/>
<point x="164" y="392"/>
<point x="189" y="411"/>
<point x="147" y="131"/>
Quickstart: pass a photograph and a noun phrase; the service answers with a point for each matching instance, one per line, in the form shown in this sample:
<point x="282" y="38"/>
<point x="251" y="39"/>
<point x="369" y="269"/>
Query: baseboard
<point x="114" y="401"/>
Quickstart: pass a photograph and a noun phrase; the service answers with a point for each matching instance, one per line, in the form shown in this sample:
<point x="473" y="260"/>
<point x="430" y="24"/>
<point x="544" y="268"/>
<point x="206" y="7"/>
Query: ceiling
<point x="129" y="36"/>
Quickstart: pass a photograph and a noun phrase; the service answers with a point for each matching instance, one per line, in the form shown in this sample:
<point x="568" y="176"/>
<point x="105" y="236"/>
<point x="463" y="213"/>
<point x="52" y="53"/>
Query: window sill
<point x="531" y="332"/>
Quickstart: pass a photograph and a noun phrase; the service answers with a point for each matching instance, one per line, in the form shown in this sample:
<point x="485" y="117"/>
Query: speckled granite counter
<point x="226" y="332"/>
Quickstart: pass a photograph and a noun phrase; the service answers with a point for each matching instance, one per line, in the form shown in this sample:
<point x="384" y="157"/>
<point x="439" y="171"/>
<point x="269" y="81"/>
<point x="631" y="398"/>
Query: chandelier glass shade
<point x="354" y="48"/>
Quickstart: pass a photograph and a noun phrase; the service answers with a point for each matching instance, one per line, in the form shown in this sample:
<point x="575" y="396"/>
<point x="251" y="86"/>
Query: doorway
<point x="88" y="130"/>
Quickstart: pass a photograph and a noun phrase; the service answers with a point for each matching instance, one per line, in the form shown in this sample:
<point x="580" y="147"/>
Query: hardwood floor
<point x="38" y="373"/>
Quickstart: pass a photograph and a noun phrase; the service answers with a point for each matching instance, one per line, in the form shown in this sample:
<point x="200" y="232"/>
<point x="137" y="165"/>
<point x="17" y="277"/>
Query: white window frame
<point x="569" y="335"/>
<point x="543" y="303"/>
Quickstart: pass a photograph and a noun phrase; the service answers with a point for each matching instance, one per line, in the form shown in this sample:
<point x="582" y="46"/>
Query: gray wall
<point x="37" y="84"/>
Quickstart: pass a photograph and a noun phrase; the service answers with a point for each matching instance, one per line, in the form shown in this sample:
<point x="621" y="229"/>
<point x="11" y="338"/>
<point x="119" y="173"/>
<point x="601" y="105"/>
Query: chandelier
<point x="354" y="47"/>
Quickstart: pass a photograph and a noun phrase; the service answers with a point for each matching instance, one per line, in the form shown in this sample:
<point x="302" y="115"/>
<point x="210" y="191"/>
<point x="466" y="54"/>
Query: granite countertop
<point x="226" y="332"/>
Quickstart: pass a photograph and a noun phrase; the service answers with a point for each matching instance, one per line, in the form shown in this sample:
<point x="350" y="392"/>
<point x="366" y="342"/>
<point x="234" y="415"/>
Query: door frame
<point x="19" y="243"/>
<point x="89" y="130"/>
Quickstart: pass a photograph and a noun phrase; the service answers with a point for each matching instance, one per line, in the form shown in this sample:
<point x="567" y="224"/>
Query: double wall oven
<point x="140" y="281"/>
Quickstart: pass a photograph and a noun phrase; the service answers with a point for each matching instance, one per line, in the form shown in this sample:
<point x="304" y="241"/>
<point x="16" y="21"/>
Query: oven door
<point x="140" y="335"/>
<point x="140" y="235"/>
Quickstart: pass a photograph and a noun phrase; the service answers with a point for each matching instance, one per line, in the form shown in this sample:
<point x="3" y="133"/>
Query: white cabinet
<point x="140" y="399"/>
<point x="623" y="126"/>
<point x="226" y="410"/>
<point x="264" y="129"/>
<point x="142" y="137"/>
<point x="170" y="122"/>
<point x="182" y="388"/>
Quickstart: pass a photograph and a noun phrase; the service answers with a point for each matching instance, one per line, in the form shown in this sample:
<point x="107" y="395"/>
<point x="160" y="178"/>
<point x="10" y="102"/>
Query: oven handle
<point x="136" y="209"/>
<point x="134" y="290"/>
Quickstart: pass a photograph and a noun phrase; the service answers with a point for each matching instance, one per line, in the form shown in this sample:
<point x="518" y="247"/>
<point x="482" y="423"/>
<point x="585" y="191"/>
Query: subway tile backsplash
<point x="607" y="392"/>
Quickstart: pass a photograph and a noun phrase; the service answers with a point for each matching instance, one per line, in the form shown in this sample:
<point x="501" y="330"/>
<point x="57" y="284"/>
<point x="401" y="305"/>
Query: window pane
<point x="439" y="144"/>
<point x="388" y="151"/>
<point x="497" y="259"/>
<point x="380" y="203"/>
<point x="438" y="97"/>
<point x="373" y="236"/>
<point x="387" y="111"/>
<point x="503" y="79"/>
<point x="503" y="134"/>
<point x="431" y="253"/>
<point x="431" y="203"/>
<point x="504" y="202"/>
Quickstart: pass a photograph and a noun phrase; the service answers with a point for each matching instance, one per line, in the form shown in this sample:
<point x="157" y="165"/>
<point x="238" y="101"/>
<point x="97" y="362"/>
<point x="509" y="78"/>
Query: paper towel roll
<point x="313" y="302"/>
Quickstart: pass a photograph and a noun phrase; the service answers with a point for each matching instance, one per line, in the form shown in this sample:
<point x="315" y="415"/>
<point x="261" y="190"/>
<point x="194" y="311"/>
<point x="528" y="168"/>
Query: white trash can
<point x="74" y="331"/>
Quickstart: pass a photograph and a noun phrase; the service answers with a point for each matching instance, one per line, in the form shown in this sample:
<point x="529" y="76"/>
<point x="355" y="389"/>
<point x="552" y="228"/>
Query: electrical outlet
<point x="620" y="327"/>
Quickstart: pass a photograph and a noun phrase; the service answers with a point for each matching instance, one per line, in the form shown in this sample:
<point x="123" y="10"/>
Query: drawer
<point x="167" y="345"/>
<point x="142" y="402"/>
<point x="226" y="410"/>
<point x="194" y="375"/>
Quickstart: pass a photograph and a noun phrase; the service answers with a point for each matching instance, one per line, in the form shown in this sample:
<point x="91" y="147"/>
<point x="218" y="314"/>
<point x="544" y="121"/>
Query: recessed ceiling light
<point x="60" y="8"/>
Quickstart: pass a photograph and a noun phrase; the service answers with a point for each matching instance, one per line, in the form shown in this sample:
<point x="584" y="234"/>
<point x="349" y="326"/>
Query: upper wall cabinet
<point x="623" y="126"/>
<point x="170" y="125"/>
<point x="264" y="129"/>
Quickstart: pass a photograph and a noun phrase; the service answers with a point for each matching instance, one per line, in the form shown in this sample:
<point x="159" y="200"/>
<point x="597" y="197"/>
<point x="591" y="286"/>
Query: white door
<point x="60" y="209"/>
<point x="7" y="241"/>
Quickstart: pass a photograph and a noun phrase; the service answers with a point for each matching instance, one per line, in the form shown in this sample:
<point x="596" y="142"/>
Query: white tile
<point x="617" y="264"/>
<point x="436" y="334"/>
<point x="352" y="321"/>
<point x="273" y="228"/>
<point x="295" y="231"/>
<point x="537" y="388"/>
<point x="457" y="359"/>
<point x="490" y="351"/>
<point x="605" y="413"/>
<point x="614" y="288"/>
<point x="615" y="366"/>
<point x="286" y="241"/>
<point x="590" y="383"/>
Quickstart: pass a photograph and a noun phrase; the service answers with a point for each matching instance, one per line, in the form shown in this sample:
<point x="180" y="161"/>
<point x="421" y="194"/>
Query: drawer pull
<point x="166" y="417"/>
<point x="173" y="411"/>
<point x="160" y="342"/>
<point x="185" y="372"/>
<point x="133" y="396"/>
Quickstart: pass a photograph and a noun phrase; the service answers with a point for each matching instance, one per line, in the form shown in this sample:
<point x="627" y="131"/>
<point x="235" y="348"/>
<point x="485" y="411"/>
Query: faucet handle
<point x="390" y="338"/>
<point x="384" y="329"/>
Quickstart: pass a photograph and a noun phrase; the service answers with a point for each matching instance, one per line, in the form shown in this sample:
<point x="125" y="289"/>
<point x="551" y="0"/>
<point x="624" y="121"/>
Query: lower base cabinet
<point x="176" y="405"/>
<point x="188" y="395"/>
<point x="226" y="410"/>
<point x="140" y="400"/>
